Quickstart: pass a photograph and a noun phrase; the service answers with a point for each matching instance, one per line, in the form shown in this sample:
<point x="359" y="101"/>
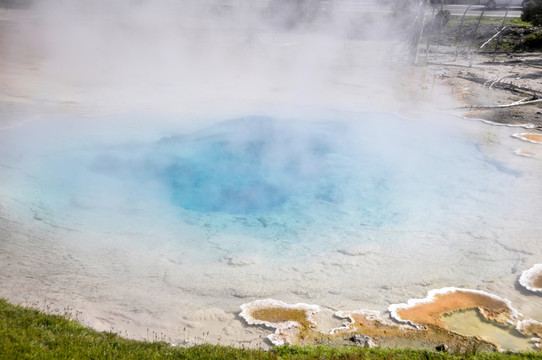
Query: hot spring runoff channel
<point x="270" y="186"/>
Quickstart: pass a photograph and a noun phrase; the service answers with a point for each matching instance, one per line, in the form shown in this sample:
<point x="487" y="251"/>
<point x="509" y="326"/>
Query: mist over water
<point x="286" y="186"/>
<point x="170" y="160"/>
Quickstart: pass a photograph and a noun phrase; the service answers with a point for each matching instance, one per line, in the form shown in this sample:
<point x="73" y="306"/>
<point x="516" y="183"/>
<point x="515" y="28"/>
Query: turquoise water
<point x="379" y="171"/>
<point x="258" y="166"/>
<point x="297" y="182"/>
<point x="183" y="219"/>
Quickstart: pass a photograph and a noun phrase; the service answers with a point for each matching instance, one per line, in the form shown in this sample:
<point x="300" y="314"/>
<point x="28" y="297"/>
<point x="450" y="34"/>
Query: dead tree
<point x="502" y="30"/>
<point x="460" y="39"/>
<point x="417" y="32"/>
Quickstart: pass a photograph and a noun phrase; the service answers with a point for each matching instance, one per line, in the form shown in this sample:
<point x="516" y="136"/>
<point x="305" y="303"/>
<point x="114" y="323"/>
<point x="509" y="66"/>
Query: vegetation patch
<point x="533" y="12"/>
<point x="532" y="42"/>
<point x="472" y="31"/>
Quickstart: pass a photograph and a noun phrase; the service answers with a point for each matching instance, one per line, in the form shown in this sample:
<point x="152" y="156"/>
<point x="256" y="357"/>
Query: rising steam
<point x="170" y="54"/>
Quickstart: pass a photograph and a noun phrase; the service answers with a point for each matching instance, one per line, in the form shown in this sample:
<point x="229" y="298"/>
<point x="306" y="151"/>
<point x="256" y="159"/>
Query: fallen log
<point x="502" y="85"/>
<point x="516" y="103"/>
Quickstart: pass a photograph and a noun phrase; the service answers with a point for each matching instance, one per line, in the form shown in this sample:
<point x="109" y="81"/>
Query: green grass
<point x="488" y="20"/>
<point x="31" y="334"/>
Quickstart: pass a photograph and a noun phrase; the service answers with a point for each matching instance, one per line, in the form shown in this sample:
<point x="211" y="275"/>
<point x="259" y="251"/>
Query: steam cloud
<point x="150" y="53"/>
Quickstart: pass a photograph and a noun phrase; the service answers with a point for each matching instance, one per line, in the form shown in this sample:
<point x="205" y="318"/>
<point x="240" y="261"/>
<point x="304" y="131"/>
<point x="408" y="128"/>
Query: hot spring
<point x="174" y="223"/>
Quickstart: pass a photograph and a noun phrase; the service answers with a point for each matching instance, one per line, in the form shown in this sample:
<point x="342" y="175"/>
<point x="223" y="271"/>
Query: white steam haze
<point x="107" y="105"/>
<point x="179" y="54"/>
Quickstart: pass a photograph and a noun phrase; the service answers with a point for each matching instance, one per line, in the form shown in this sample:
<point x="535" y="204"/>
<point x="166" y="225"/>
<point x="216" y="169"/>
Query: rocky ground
<point x="489" y="87"/>
<point x="488" y="82"/>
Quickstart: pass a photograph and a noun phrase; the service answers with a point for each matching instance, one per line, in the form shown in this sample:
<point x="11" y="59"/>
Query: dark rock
<point x="442" y="348"/>
<point x="363" y="341"/>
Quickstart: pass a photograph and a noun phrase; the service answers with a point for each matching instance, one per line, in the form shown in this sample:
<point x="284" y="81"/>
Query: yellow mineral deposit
<point x="449" y="300"/>
<point x="276" y="314"/>
<point x="531" y="328"/>
<point x="525" y="153"/>
<point x="386" y="334"/>
<point x="472" y="323"/>
<point x="531" y="279"/>
<point x="458" y="319"/>
<point x="530" y="137"/>
<point x="291" y="322"/>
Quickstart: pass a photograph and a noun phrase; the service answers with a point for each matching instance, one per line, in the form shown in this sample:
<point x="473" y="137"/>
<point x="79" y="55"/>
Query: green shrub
<point x="532" y="12"/>
<point x="533" y="41"/>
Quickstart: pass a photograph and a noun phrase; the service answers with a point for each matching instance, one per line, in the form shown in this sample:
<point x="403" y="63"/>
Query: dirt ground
<point x="485" y="78"/>
<point x="488" y="85"/>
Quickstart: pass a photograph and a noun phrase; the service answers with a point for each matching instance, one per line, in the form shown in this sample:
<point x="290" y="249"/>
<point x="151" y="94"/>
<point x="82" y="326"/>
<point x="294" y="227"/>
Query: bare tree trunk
<point x="419" y="23"/>
<point x="441" y="25"/>
<point x="501" y="31"/>
<point x="429" y="36"/>
<point x="460" y="41"/>
<point x="474" y="37"/>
